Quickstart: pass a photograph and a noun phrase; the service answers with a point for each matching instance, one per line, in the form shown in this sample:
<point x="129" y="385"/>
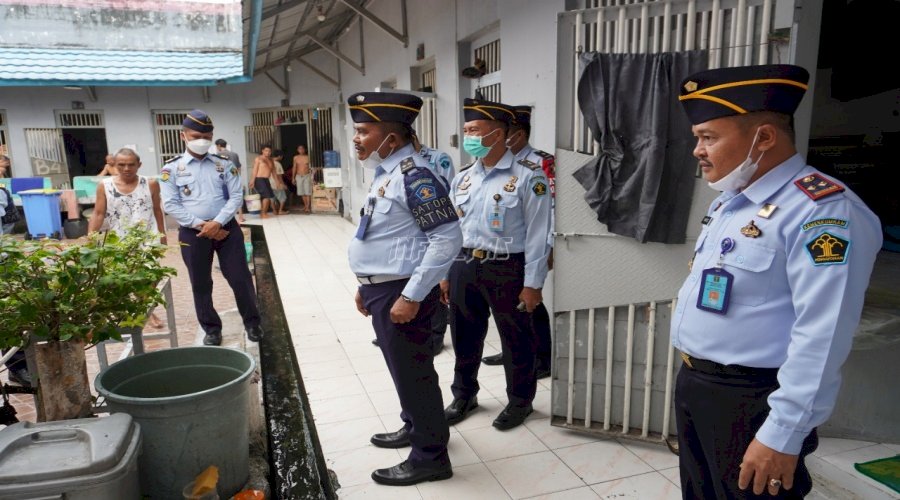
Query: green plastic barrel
<point x="191" y="404"/>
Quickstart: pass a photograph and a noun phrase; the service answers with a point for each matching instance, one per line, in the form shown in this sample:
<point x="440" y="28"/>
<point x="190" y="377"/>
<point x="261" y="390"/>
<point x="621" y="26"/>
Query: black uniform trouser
<point x="479" y="289"/>
<point x="198" y="257"/>
<point x="540" y="323"/>
<point x="407" y="352"/>
<point x="439" y="324"/>
<point x="718" y="416"/>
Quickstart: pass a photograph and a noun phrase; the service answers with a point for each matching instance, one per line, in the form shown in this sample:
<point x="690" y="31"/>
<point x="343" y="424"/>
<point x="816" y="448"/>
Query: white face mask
<point x="740" y="176"/>
<point x="199" y="146"/>
<point x="374" y="159"/>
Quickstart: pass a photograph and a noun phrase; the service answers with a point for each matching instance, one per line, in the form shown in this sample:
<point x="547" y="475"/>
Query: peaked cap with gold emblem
<point x="722" y="92"/>
<point x="478" y="109"/>
<point x="523" y="115"/>
<point x="384" y="107"/>
<point x="198" y="120"/>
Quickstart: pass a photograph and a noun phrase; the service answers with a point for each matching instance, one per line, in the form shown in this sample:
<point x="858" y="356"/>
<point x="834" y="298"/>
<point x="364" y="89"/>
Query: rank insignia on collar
<point x="466" y="178"/>
<point x="751" y="231"/>
<point x="381" y="191"/>
<point x="407" y="164"/>
<point x="181" y="168"/>
<point x="817" y="187"/>
<point x="766" y="211"/>
<point x="464" y="186"/>
<point x="509" y="187"/>
<point x="219" y="167"/>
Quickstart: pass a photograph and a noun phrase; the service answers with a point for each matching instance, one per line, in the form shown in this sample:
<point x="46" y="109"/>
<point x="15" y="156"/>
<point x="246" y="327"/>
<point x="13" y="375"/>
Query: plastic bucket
<point x="191" y="404"/>
<point x="253" y="203"/>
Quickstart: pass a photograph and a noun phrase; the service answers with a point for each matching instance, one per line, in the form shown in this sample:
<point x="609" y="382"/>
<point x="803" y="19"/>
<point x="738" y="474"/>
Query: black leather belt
<point x="478" y="253"/>
<point x="713" y="368"/>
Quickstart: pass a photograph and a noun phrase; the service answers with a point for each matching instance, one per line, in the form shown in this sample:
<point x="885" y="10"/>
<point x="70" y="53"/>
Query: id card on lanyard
<point x="365" y="219"/>
<point x="716" y="283"/>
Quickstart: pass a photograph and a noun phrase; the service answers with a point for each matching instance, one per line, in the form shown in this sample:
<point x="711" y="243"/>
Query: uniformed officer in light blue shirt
<point x="202" y="192"/>
<point x="504" y="210"/>
<point x="407" y="238"/>
<point x="767" y="314"/>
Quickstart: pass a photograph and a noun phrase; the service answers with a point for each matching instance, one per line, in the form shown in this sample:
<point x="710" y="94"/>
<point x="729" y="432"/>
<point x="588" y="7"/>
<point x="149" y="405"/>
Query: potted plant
<point x="61" y="296"/>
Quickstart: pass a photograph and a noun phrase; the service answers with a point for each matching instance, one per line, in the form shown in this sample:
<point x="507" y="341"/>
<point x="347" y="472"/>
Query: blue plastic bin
<point x="332" y="158"/>
<point x="42" y="212"/>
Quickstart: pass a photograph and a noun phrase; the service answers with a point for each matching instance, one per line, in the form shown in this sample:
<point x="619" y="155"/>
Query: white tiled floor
<point x="352" y="397"/>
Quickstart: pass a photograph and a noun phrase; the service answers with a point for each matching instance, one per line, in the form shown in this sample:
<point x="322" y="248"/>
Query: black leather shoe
<point x="496" y="359"/>
<point x="214" y="338"/>
<point x="255" y="334"/>
<point x="512" y="416"/>
<point x="399" y="439"/>
<point x="405" y="474"/>
<point x="20" y="376"/>
<point x="459" y="409"/>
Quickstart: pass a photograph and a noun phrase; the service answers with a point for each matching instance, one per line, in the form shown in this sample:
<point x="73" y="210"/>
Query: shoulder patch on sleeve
<point x="539" y="185"/>
<point x="828" y="221"/>
<point x="173" y="159"/>
<point x="428" y="200"/>
<point x="165" y="173"/>
<point x="817" y="187"/>
<point x="827" y="249"/>
<point x="528" y="164"/>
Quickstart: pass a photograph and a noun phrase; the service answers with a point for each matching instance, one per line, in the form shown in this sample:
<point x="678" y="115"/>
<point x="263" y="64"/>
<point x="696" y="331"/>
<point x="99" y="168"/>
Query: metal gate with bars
<point x="167" y="127"/>
<point x="613" y="362"/>
<point x="264" y="131"/>
<point x="47" y="155"/>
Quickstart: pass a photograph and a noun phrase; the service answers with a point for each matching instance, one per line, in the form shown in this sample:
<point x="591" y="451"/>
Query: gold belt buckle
<point x="687" y="360"/>
<point x="479" y="253"/>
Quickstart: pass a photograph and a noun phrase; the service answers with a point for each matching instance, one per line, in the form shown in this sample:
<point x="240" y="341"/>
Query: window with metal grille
<point x="4" y="136"/>
<point x="79" y="119"/>
<point x="278" y="116"/>
<point x="490" y="54"/>
<point x="167" y="128"/>
<point x="426" y="123"/>
<point x="428" y="80"/>
<point x="321" y="140"/>
<point x="491" y="92"/>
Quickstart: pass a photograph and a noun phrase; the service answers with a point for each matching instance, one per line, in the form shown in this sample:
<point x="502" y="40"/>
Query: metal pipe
<point x="589" y="380"/>
<point x="670" y="361"/>
<point x="678" y="33"/>
<point x="645" y="29"/>
<point x="667" y="28"/>
<point x="738" y="28"/>
<point x="704" y="30"/>
<point x="8" y="354"/>
<point x="765" y="26"/>
<point x="648" y="369"/>
<point x="607" y="395"/>
<point x="716" y="36"/>
<point x="570" y="404"/>
<point x="629" y="360"/>
<point x="621" y="31"/>
<point x="690" y="41"/>
<point x="748" y="38"/>
<point x="576" y="113"/>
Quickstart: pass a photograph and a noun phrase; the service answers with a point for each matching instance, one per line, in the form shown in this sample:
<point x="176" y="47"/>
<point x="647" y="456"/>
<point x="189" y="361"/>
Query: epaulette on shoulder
<point x="528" y="164"/>
<point x="407" y="164"/>
<point x="467" y="166"/>
<point x="543" y="154"/>
<point x="817" y="186"/>
<point x="174" y="159"/>
<point x="222" y="156"/>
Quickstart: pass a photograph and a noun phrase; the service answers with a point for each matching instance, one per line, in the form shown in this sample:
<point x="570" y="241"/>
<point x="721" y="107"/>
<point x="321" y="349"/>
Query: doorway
<point x="292" y="135"/>
<point x="86" y="150"/>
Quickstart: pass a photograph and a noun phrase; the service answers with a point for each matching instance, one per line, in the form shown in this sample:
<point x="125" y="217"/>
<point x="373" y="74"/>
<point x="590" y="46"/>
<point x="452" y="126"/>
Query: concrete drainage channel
<point x="296" y="462"/>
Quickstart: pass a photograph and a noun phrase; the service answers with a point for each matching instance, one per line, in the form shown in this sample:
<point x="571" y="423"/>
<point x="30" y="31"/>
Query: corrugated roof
<point x="33" y="66"/>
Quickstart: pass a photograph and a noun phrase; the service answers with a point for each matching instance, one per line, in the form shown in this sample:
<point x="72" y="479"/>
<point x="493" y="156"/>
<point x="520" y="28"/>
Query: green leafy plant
<point x="87" y="290"/>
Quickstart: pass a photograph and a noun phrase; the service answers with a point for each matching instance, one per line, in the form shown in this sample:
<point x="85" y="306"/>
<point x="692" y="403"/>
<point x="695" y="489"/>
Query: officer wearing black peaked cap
<point x="407" y="238"/>
<point x="202" y="191"/>
<point x="766" y="316"/>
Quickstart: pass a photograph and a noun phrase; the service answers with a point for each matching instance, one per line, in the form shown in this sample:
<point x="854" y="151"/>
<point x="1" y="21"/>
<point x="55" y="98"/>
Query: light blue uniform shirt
<point x="439" y="162"/>
<point x="194" y="191"/>
<point x="394" y="244"/>
<point x="524" y="204"/>
<point x="792" y="305"/>
<point x="528" y="153"/>
<point x="4" y="201"/>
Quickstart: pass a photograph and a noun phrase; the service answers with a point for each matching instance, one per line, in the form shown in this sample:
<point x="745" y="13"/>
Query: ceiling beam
<point x="337" y="53"/>
<point x="372" y="18"/>
<point x="91" y="92"/>
<point x="319" y="72"/>
<point x="278" y="9"/>
<point x="280" y="87"/>
<point x="332" y="20"/>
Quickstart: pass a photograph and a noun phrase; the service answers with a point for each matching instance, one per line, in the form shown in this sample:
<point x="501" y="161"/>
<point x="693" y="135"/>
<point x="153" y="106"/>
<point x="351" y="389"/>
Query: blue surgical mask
<point x="472" y="144"/>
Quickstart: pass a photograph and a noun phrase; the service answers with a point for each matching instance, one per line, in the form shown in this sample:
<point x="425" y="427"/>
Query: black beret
<point x="198" y="120"/>
<point x="717" y="93"/>
<point x="523" y="115"/>
<point x="384" y="107"/>
<point x="477" y="109"/>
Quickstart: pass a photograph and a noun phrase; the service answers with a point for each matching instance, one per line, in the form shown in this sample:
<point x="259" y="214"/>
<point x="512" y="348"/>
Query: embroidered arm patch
<point x="428" y="199"/>
<point x="827" y="249"/>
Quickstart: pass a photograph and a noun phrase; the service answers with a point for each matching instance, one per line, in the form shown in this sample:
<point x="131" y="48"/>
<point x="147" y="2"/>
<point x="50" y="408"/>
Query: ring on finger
<point x="775" y="483"/>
